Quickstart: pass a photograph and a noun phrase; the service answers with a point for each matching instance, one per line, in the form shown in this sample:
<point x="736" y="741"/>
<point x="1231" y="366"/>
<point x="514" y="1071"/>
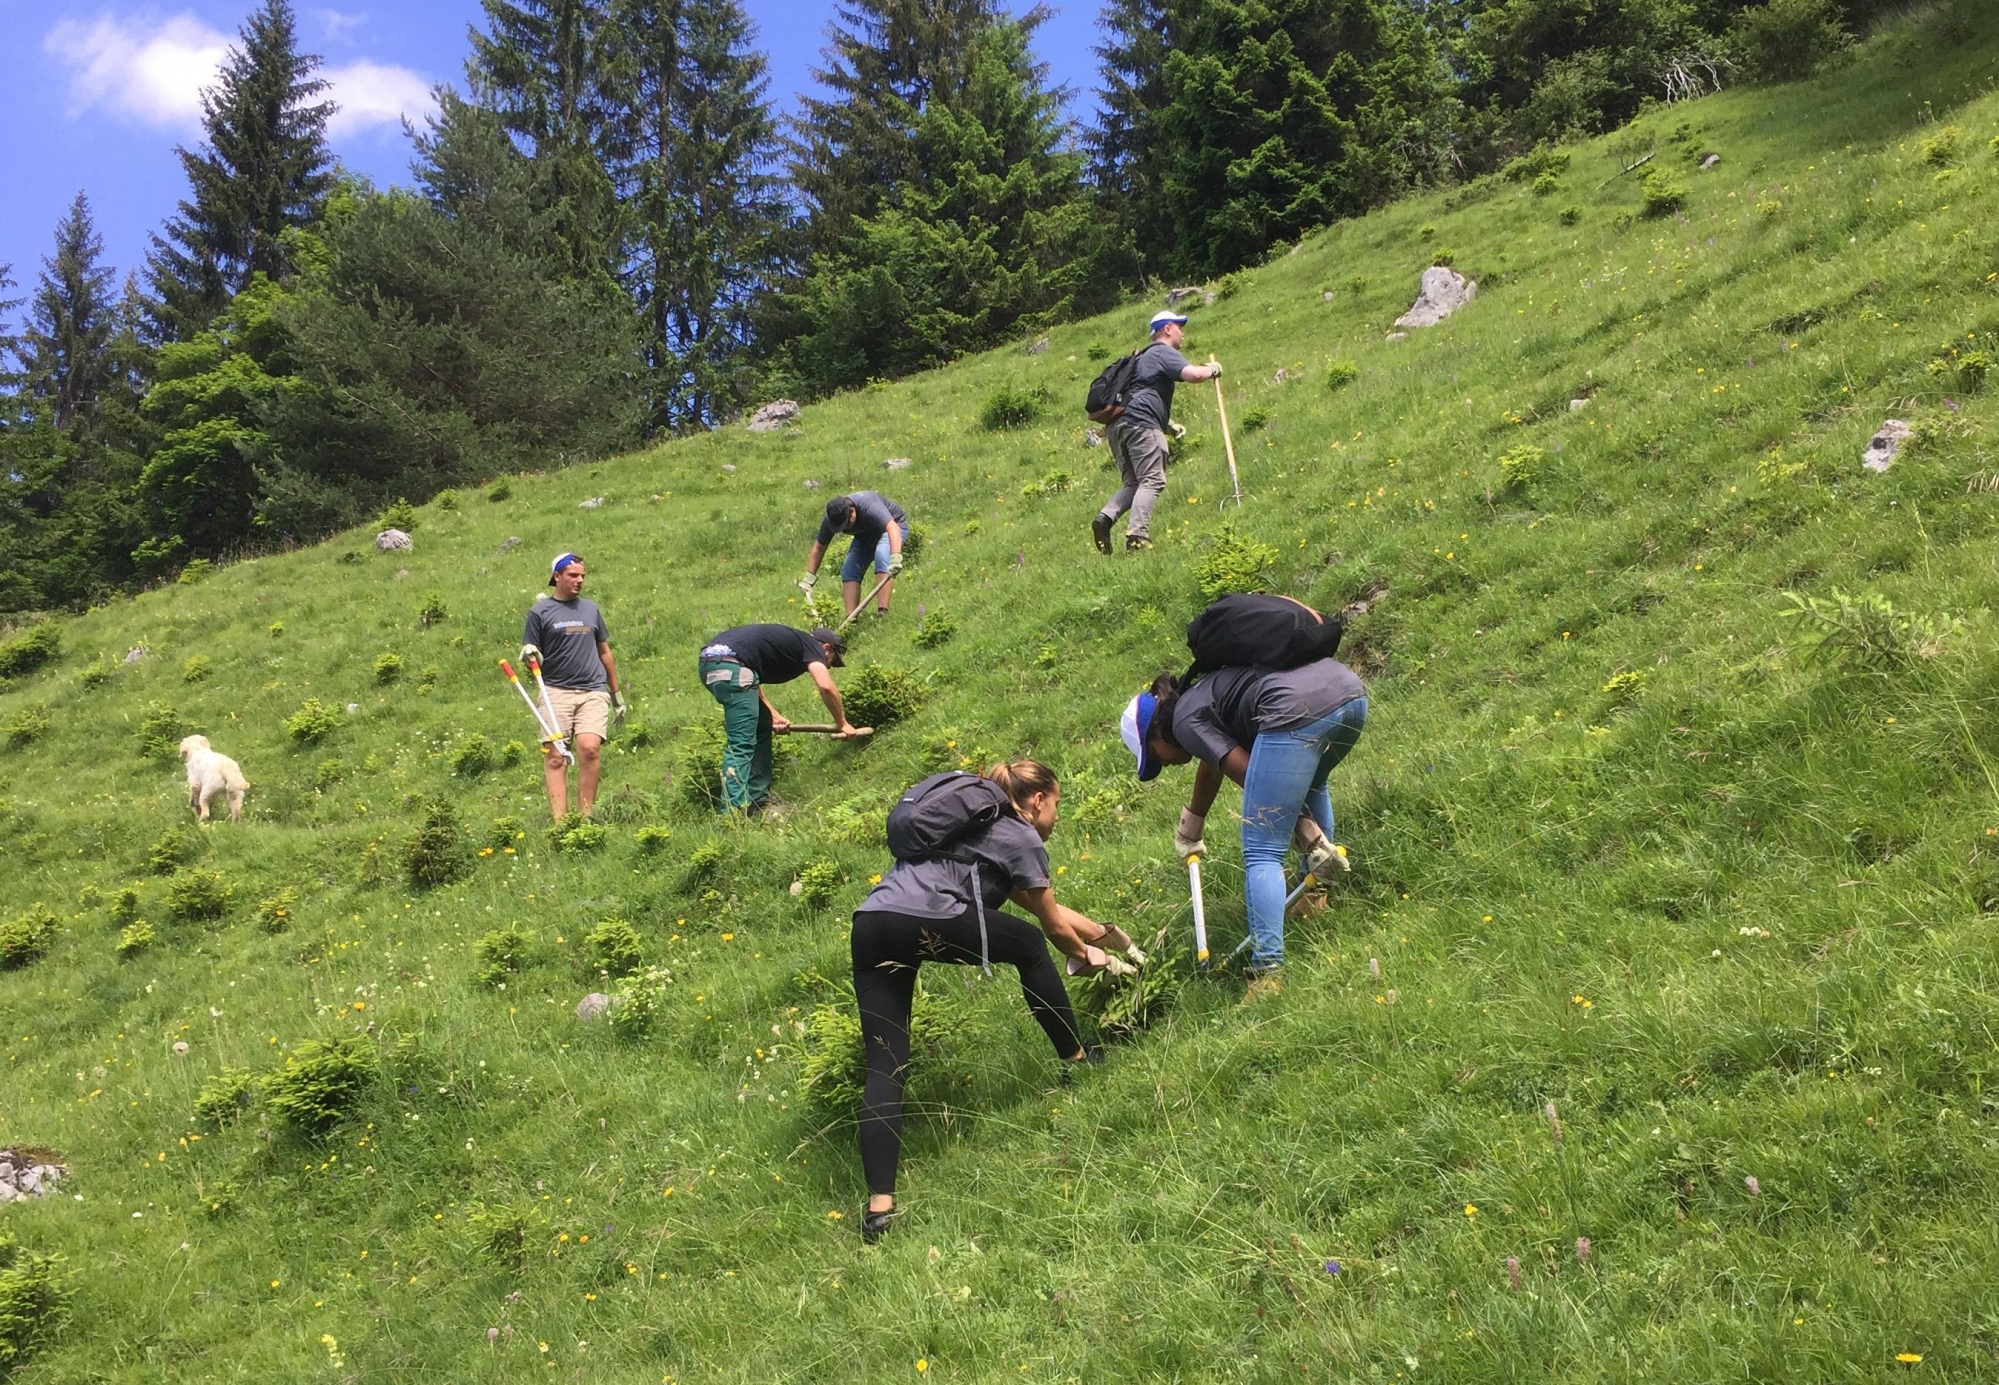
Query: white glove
<point x="619" y="706"/>
<point x="530" y="652"/>
<point x="1114" y="939"/>
<point x="807" y="583"/>
<point x="1187" y="837"/>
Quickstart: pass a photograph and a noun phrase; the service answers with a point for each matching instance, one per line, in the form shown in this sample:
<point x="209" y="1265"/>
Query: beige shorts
<point x="580" y="712"/>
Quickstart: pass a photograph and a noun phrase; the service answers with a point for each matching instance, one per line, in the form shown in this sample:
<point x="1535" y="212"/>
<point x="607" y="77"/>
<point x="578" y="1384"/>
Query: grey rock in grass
<point x="812" y="485"/>
<point x="1578" y="405"/>
<point x="1327" y="296"/>
<point x="898" y="464"/>
<point x="1444" y="291"/>
<point x="25" y="1174"/>
<point x="353" y="709"/>
<point x="773" y="416"/>
<point x="593" y="503"/>
<point x="393" y="541"/>
<point x="1189" y="294"/>
<point x="1037" y="346"/>
<point x="401" y="573"/>
<point x="1886" y="445"/>
<point x="1711" y="161"/>
<point x="729" y="467"/>
<point x="1280" y="377"/>
<point x="1398" y="336"/>
<point x="1092" y="438"/>
<point x="509" y="544"/>
<point x="592" y="1005"/>
<point x="135" y="653"/>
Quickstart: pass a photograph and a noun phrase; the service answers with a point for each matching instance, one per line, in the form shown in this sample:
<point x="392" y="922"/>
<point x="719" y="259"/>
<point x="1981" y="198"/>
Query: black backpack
<point x="1111" y="388"/>
<point x="928" y="822"/>
<point x="1253" y="630"/>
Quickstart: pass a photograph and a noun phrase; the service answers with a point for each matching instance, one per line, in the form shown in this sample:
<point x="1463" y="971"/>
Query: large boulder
<point x="392" y="540"/>
<point x="1886" y="445"/>
<point x="1444" y="291"/>
<point x="779" y="413"/>
<point x="1189" y="295"/>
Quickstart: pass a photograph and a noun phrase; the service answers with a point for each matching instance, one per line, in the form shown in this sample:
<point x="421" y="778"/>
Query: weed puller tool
<point x="548" y="706"/>
<point x="1227" y="442"/>
<point x="823" y="728"/>
<point x="548" y="737"/>
<point x="854" y="614"/>
<point x="1200" y="911"/>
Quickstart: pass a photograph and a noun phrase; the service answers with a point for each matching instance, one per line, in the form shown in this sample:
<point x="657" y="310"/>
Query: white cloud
<point x="154" y="73"/>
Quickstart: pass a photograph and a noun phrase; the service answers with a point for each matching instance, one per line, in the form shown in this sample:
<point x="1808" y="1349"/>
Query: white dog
<point x="209" y="772"/>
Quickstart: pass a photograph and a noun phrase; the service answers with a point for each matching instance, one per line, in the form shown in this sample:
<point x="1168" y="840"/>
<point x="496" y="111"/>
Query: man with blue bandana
<point x="566" y="635"/>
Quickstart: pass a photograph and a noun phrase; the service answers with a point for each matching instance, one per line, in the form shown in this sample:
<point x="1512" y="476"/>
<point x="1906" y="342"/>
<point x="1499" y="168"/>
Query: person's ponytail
<point x="1166" y="690"/>
<point x="1023" y="779"/>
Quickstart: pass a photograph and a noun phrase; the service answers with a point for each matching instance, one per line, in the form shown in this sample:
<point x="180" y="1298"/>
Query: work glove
<point x="1322" y="857"/>
<point x="807" y="583"/>
<point x="894" y="564"/>
<point x="1216" y="367"/>
<point x="1187" y="837"/>
<point x="1095" y="960"/>
<point x="530" y="653"/>
<point x="1178" y="430"/>
<point x="619" y="706"/>
<point x="1114" y="939"/>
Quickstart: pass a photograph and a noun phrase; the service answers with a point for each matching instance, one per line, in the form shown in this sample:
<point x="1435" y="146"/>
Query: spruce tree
<point x="9" y="342"/>
<point x="264" y="170"/>
<point x="73" y="322"/>
<point x="694" y="147"/>
<point x="538" y="67"/>
<point x="1126" y="154"/>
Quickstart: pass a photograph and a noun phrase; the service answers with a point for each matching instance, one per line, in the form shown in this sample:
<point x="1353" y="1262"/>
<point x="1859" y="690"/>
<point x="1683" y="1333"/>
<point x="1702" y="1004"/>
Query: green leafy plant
<point x="388" y="668"/>
<point x="501" y="953"/>
<point x="1866" y="630"/>
<point x="165" y="855"/>
<point x="934" y="629"/>
<point x="1540" y="162"/>
<point x="328" y="773"/>
<point x="1788" y="39"/>
<point x="274" y="912"/>
<point x="1254" y="419"/>
<point x="1547" y="185"/>
<point x="1235" y="562"/>
<point x="577" y="833"/>
<point x="27" y="936"/>
<point x="447" y="501"/>
<point x="398" y="514"/>
<point x="505" y="1232"/>
<point x="194" y="669"/>
<point x="704" y="862"/>
<point x="433" y="610"/>
<point x="615" y="948"/>
<point x="134" y="938"/>
<point x="427" y="679"/>
<point x="29" y="724"/>
<point x="1570" y="215"/>
<point x="30" y="650"/>
<point x="1520" y="467"/>
<point x="1662" y="193"/>
<point x="1053" y="483"/>
<point x="473" y="756"/>
<point x="881" y="694"/>
<point x="1012" y="405"/>
<point x="512" y="753"/>
<point x="1340" y="374"/>
<point x="1945" y="147"/>
<point x="225" y="1097"/>
<point x="195" y="895"/>
<point x="125" y="904"/>
<point x="833" y="1065"/>
<point x="1097" y="351"/>
<point x="653" y="839"/>
<point x="313" y="722"/>
<point x="96" y="675"/>
<point x="819" y="884"/>
<point x="320" y="1083"/>
<point x="438" y="853"/>
<point x="36" y="1293"/>
<point x="161" y="731"/>
<point x="504" y="832"/>
<point x="1620" y="688"/>
<point x="1963" y="367"/>
<point x="500" y="491"/>
<point x="639" y="1003"/>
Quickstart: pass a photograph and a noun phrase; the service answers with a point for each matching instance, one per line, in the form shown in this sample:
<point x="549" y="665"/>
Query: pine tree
<point x="1126" y="156"/>
<point x="886" y="62"/>
<point x="72" y="323"/>
<point x="9" y="342"/>
<point x="264" y="170"/>
<point x="694" y="148"/>
<point x="538" y="67"/>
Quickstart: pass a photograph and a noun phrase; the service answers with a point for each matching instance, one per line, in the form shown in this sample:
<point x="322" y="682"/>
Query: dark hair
<point x="836" y="511"/>
<point x="1023" y="779"/>
<point x="1166" y="690"/>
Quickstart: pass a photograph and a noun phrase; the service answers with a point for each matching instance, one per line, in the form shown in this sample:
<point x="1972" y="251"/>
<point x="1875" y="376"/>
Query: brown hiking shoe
<point x="1100" y="530"/>
<point x="1135" y="542"/>
<point x="1263" y="984"/>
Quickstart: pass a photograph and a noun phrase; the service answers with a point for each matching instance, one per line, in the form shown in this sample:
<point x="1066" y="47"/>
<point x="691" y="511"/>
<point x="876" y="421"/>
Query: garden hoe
<point x="549" y="740"/>
<point x="1200" y="911"/>
<point x="855" y="614"/>
<point x="1227" y="441"/>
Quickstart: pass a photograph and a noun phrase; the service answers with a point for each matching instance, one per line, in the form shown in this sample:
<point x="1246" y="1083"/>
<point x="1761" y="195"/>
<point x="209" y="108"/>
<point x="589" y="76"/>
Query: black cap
<point x="836" y="511"/>
<point x="835" y="646"/>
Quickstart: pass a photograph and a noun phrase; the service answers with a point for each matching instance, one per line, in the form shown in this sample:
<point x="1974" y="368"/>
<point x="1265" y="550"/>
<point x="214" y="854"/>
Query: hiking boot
<point x="1134" y="542"/>
<point x="875" y="1225"/>
<point x="1264" y="984"/>
<point x="1100" y="530"/>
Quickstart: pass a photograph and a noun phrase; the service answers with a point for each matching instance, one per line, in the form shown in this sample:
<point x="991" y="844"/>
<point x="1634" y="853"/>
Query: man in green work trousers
<point x="735" y="667"/>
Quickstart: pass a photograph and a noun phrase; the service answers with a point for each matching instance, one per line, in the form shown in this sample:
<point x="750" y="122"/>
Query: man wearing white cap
<point x="1138" y="434"/>
<point x="566" y="635"/>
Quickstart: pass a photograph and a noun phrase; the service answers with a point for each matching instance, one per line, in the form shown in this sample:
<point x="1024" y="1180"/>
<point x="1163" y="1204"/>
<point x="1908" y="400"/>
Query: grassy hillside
<point x="1632" y="848"/>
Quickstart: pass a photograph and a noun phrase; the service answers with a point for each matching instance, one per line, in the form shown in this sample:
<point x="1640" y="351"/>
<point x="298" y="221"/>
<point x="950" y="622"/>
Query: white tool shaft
<point x="1200" y="911"/>
<point x="1303" y="885"/>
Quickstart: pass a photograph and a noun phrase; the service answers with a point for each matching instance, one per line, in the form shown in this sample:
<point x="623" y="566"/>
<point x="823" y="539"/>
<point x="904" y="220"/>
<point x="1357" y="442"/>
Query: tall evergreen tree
<point x="264" y="170"/>
<point x="539" y="68"/>
<point x="9" y="341"/>
<point x="693" y="157"/>
<point x="1126" y="154"/>
<point x="73" y="321"/>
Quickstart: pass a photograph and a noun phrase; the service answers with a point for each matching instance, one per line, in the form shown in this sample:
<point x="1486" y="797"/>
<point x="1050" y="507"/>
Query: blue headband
<point x="555" y="568"/>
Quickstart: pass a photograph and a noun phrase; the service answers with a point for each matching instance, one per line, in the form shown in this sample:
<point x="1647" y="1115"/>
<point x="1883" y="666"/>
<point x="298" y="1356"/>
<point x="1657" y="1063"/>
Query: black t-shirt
<point x="1228" y="707"/>
<point x="775" y="653"/>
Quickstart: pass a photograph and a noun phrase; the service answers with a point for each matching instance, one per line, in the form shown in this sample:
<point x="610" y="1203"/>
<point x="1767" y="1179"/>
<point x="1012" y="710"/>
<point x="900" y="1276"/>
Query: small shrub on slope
<point x="819" y="884"/>
<point x="503" y="1232"/>
<point x="615" y="948"/>
<point x="274" y="914"/>
<point x="320" y="1083"/>
<point x="439" y="852"/>
<point x="1012" y="406"/>
<point x="1520" y="467"/>
<point x="1235" y="562"/>
<point x="833" y="1065"/>
<point x="935" y="629"/>
<point x="28" y="725"/>
<point x="26" y="936"/>
<point x="312" y="722"/>
<point x="195" y="895"/>
<point x="1662" y="193"/>
<point x="501" y="953"/>
<point x="28" y="651"/>
<point x="880" y="694"/>
<point x="161" y="731"/>
<point x="398" y="514"/>
<point x="1867" y="631"/>
<point x="134" y="938"/>
<point x="35" y="1296"/>
<point x="474" y="756"/>
<point x="388" y="668"/>
<point x="1340" y="374"/>
<point x="224" y="1098"/>
<point x="1788" y="39"/>
<point x="637" y="1006"/>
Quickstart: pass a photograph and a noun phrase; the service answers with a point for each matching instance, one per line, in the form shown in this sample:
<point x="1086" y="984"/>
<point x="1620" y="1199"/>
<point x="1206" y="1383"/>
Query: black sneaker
<point x="1093" y="1057"/>
<point x="1134" y="542"/>
<point x="1100" y="529"/>
<point x="874" y="1225"/>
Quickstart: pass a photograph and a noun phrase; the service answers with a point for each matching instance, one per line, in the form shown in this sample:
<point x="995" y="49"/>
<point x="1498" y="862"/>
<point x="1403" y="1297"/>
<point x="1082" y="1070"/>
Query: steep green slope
<point x="1652" y="1038"/>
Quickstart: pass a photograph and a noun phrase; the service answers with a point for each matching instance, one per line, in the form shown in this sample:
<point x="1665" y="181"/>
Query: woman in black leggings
<point x="922" y="912"/>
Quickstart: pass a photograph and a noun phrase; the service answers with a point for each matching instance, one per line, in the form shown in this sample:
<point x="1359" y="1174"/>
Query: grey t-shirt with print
<point x="1228" y="707"/>
<point x="1150" y="402"/>
<point x="1010" y="857"/>
<point x="568" y="633"/>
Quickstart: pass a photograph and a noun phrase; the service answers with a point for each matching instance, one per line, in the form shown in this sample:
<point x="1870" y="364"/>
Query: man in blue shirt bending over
<point x="880" y="529"/>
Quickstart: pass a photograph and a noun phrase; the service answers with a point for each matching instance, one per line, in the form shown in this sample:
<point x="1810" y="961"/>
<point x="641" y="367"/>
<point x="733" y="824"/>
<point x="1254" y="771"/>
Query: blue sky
<point x="96" y="95"/>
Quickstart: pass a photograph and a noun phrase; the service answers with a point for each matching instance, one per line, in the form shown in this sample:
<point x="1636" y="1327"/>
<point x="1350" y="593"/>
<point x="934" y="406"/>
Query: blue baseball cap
<point x="1136" y="727"/>
<point x="562" y="561"/>
<point x="1160" y="319"/>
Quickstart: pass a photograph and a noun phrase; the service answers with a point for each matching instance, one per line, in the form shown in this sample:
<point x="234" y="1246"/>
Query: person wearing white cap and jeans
<point x="565" y="633"/>
<point x="1138" y="435"/>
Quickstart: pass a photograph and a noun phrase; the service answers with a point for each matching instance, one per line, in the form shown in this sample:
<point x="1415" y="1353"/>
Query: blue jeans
<point x="1286" y="776"/>
<point x="856" y="565"/>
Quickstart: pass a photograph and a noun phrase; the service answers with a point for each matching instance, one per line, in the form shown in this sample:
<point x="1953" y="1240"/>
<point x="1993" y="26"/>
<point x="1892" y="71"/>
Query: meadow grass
<point x="1652" y="1038"/>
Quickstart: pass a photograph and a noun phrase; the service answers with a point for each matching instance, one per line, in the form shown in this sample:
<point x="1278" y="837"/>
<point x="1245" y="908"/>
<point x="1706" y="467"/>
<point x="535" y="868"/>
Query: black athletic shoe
<point x="1093" y="1057"/>
<point x="1135" y="542"/>
<point x="874" y="1225"/>
<point x="1100" y="529"/>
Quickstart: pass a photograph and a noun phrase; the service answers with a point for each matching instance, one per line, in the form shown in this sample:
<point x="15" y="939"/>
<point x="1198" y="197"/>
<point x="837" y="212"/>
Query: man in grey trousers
<point x="1138" y="435"/>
